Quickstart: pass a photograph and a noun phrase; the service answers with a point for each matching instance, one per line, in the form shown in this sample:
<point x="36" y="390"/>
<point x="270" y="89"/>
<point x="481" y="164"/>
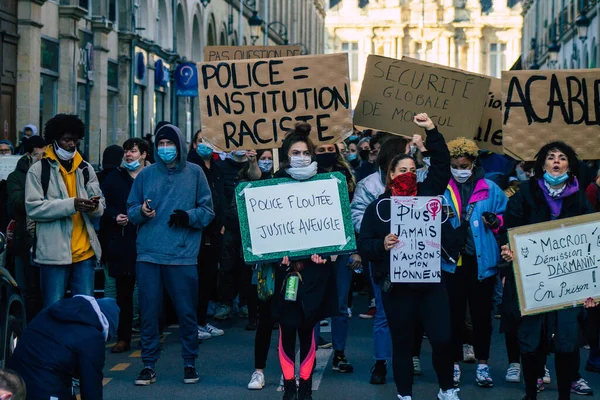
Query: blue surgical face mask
<point x="352" y="156"/>
<point x="239" y="153"/>
<point x="265" y="165"/>
<point x="132" y="166"/>
<point x="555" y="180"/>
<point x="352" y="138"/>
<point x="167" y="153"/>
<point x="204" y="151"/>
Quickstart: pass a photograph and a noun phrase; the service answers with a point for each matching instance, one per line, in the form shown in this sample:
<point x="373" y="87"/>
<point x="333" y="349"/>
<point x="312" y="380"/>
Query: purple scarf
<point x="555" y="203"/>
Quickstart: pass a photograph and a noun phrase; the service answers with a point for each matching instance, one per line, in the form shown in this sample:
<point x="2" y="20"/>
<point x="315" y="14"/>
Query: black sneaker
<point x="305" y="389"/>
<point x="324" y="344"/>
<point x="190" y="375"/>
<point x="378" y="373"/>
<point x="252" y="325"/>
<point x="290" y="390"/>
<point x="146" y="377"/>
<point x="341" y="364"/>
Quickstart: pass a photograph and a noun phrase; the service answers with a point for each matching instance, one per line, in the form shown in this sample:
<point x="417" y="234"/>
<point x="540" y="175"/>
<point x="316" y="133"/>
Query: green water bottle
<point x="291" y="288"/>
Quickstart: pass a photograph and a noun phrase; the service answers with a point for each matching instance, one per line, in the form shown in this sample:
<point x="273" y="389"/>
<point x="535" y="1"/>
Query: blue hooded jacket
<point x="62" y="342"/>
<point x="185" y="188"/>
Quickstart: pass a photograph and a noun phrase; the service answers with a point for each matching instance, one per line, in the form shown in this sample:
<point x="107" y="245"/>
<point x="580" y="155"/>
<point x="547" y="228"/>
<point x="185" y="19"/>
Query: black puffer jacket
<point x="563" y="328"/>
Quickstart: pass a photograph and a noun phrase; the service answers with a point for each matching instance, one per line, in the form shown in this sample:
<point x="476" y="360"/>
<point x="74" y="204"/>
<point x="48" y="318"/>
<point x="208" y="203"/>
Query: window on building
<point x="81" y="103"/>
<point x="112" y="109"/>
<point x="159" y="106"/>
<point x="112" y="11"/>
<point x="48" y="90"/>
<point x="138" y="111"/>
<point x="352" y="49"/>
<point x="49" y="56"/>
<point x="497" y="59"/>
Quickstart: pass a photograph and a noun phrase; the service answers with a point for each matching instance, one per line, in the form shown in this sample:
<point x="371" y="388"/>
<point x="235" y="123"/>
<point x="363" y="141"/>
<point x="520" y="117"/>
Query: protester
<point x="62" y="195"/>
<point x="265" y="163"/>
<point x="593" y="192"/>
<point x="329" y="159"/>
<point x="120" y="248"/>
<point x="475" y="207"/>
<point x="210" y="249"/>
<point x="12" y="386"/>
<point x="232" y="264"/>
<point x="112" y="157"/>
<point x="353" y="158"/>
<point x="27" y="276"/>
<point x="6" y="148"/>
<point x="28" y="132"/>
<point x="316" y="297"/>
<point x="170" y="203"/>
<point x="368" y="155"/>
<point x="66" y="340"/>
<point x="551" y="194"/>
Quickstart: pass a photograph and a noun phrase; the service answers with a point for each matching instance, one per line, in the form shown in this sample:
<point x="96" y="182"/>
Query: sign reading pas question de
<point x="417" y="221"/>
<point x="285" y="217"/>
<point x="250" y="104"/>
<point x="556" y="263"/>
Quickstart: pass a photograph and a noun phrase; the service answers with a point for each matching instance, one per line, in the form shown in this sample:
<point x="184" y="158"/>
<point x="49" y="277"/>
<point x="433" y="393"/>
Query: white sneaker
<point x="482" y="376"/>
<point x="349" y="312"/>
<point x="213" y="330"/>
<point x="257" y="381"/>
<point x="202" y="334"/>
<point x="450" y="394"/>
<point x="513" y="373"/>
<point x="547" y="380"/>
<point x="456" y="375"/>
<point x="405" y="397"/>
<point x="468" y="353"/>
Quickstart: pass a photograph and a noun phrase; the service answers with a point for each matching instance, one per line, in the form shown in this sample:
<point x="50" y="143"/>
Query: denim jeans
<point x="54" y="280"/>
<point x="181" y="283"/>
<point x="382" y="338"/>
<point x="339" y="323"/>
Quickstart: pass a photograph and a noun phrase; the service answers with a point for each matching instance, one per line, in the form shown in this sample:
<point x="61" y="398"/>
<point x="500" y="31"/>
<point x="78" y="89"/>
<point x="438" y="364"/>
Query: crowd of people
<point x="161" y="219"/>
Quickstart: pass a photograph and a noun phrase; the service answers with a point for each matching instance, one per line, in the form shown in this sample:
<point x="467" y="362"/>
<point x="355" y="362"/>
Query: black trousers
<point x="464" y="287"/>
<point x="264" y="331"/>
<point x="287" y="350"/>
<point x="567" y="367"/>
<point x="208" y="268"/>
<point x="28" y="279"/>
<point x="405" y="307"/>
<point x="231" y="270"/>
<point x="592" y="327"/>
<point x="125" y="285"/>
<point x="513" y="351"/>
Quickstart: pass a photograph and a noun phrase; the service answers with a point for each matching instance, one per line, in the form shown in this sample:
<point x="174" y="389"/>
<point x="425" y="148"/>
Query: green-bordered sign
<point x="285" y="217"/>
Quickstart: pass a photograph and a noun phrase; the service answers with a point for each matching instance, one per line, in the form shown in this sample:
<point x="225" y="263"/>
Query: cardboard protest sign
<point x="251" y="104"/>
<point x="417" y="221"/>
<point x="228" y="53"/>
<point x="393" y="91"/>
<point x="556" y="263"/>
<point x="545" y="106"/>
<point x="285" y="217"/>
<point x="8" y="165"/>
<point x="489" y="133"/>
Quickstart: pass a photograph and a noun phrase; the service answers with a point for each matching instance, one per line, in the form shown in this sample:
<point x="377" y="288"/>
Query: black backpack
<point x="46" y="174"/>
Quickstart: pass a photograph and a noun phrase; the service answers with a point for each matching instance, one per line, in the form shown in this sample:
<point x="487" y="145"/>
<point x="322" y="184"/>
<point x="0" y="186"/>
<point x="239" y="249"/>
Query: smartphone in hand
<point x="148" y="206"/>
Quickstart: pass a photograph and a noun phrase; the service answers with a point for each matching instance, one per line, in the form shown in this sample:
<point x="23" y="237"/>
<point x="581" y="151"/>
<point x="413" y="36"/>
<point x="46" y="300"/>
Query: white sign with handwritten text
<point x="8" y="165"/>
<point x="417" y="223"/>
<point x="557" y="267"/>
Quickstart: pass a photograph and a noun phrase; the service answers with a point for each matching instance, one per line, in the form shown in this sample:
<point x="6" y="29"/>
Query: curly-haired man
<point x="62" y="196"/>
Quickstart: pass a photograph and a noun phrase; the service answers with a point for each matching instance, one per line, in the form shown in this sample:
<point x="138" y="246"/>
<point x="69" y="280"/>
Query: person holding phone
<point x="63" y="204"/>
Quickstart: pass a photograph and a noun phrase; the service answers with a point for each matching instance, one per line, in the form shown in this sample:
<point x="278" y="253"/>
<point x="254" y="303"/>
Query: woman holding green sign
<point x="406" y="304"/>
<point x="305" y="290"/>
<point x="551" y="193"/>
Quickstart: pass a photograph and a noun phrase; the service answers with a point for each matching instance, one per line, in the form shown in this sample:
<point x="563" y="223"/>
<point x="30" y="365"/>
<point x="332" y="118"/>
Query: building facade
<point x="548" y="21"/>
<point x="113" y="62"/>
<point x="476" y="35"/>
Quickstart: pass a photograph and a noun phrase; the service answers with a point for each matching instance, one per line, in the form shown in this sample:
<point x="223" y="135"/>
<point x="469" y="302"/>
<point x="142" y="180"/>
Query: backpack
<point x="46" y="174"/>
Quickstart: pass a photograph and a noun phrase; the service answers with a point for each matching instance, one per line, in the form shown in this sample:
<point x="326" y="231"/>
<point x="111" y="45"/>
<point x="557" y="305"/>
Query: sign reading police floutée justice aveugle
<point x="556" y="263"/>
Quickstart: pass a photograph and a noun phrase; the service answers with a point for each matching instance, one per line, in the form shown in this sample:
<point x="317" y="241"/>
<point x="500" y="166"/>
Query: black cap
<point x="167" y="132"/>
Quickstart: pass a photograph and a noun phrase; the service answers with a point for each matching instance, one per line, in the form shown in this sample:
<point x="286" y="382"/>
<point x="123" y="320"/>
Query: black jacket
<point x="563" y="328"/>
<point x="230" y="170"/>
<point x="118" y="242"/>
<point x="215" y="179"/>
<point x="373" y="230"/>
<point x="15" y="185"/>
<point x="64" y="341"/>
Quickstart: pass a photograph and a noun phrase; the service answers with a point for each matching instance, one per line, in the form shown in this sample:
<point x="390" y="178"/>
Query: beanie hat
<point x="167" y="132"/>
<point x="33" y="142"/>
<point x="111" y="310"/>
<point x="112" y="157"/>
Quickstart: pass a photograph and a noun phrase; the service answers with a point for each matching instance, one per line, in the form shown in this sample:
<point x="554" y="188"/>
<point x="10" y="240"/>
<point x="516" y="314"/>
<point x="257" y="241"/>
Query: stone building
<point x="481" y="36"/>
<point x="561" y="34"/>
<point x="113" y="62"/>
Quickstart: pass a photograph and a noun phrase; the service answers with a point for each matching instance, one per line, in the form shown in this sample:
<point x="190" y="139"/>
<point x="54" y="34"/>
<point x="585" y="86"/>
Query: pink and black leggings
<point x="287" y="351"/>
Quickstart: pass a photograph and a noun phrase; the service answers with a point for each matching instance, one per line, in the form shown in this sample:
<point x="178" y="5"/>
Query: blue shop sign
<point x="161" y="74"/>
<point x="186" y="80"/>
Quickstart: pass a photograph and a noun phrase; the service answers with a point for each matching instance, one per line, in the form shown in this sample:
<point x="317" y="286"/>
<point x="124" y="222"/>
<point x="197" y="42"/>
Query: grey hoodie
<point x="183" y="187"/>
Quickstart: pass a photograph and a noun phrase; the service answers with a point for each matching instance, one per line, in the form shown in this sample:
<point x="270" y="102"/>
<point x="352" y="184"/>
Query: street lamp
<point x="553" y="50"/>
<point x="255" y="23"/>
<point x="582" y="23"/>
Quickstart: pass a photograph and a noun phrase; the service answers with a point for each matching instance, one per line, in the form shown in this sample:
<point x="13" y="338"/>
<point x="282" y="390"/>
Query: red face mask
<point x="404" y="185"/>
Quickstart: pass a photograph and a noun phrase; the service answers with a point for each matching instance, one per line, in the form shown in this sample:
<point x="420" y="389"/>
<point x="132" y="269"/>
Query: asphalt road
<point x="226" y="363"/>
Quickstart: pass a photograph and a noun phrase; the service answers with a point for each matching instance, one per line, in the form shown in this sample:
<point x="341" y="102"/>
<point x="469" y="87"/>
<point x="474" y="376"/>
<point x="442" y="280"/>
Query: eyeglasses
<point x="5" y="151"/>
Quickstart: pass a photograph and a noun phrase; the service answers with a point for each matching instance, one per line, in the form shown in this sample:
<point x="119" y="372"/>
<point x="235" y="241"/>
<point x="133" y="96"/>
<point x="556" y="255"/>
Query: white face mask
<point x="300" y="161"/>
<point x="64" y="154"/>
<point x="461" y="175"/>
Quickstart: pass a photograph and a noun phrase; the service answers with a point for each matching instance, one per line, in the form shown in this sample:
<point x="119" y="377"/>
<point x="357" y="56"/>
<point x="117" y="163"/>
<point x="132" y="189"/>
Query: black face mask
<point x="364" y="155"/>
<point x="326" y="160"/>
<point x="355" y="163"/>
